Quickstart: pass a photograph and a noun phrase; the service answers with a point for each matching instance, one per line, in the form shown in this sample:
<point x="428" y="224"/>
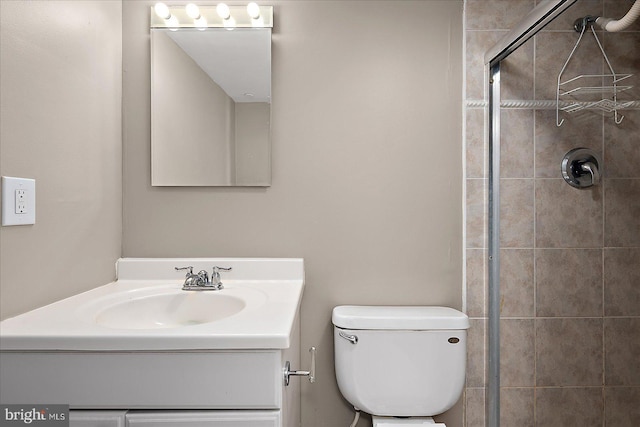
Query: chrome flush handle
<point x="353" y="339"/>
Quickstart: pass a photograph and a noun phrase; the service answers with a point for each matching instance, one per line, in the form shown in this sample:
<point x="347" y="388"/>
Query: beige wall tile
<point x="516" y="144"/>
<point x="553" y="49"/>
<point x="476" y="282"/>
<point x="621" y="48"/>
<point x="569" y="282"/>
<point x="516" y="283"/>
<point x="622" y="406"/>
<point x="478" y="42"/>
<point x="496" y="14"/>
<point x="475" y="143"/>
<point x="563" y="407"/>
<point x="516" y="407"/>
<point x="622" y="282"/>
<point x="517" y="355"/>
<point x="622" y="347"/>
<point x="475" y="407"/>
<point x="563" y="213"/>
<point x="517" y="74"/>
<point x="621" y="147"/>
<point x="553" y="142"/>
<point x="568" y="352"/>
<point x="476" y="364"/>
<point x="622" y="212"/>
<point x="476" y="213"/>
<point x="516" y="213"/>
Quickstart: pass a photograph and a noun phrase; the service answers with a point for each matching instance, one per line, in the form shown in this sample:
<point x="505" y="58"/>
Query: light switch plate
<point x="18" y="201"/>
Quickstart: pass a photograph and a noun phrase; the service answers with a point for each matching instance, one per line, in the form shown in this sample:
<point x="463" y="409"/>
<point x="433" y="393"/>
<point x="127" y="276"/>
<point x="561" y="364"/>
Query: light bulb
<point x="253" y="10"/>
<point x="201" y="23"/>
<point x="192" y="11"/>
<point x="173" y="23"/>
<point x="223" y="11"/>
<point x="229" y="23"/>
<point x="162" y="10"/>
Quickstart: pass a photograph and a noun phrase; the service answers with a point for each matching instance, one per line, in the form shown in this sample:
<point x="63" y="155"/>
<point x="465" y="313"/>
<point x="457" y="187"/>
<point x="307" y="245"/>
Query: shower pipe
<point x="613" y="25"/>
<point x="538" y="18"/>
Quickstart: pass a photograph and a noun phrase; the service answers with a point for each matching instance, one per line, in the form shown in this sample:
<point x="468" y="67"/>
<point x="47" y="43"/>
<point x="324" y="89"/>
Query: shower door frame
<point x="537" y="19"/>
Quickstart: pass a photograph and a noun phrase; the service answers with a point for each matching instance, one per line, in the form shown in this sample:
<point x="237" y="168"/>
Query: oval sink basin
<point x="169" y="310"/>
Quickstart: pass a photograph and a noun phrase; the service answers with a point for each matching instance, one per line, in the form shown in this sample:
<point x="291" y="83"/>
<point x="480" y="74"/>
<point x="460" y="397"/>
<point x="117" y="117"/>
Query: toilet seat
<point x="404" y="422"/>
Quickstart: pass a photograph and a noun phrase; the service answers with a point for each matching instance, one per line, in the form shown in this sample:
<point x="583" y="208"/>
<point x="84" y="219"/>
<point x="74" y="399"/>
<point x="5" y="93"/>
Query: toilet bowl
<point x="402" y="365"/>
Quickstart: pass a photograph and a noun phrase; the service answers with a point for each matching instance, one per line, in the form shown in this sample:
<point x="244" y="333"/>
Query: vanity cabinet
<point x="97" y="418"/>
<point x="79" y="418"/>
<point x="205" y="419"/>
<point x="192" y="370"/>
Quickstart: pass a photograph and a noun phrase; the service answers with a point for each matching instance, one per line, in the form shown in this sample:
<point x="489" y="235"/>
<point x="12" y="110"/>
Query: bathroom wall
<point x="570" y="328"/>
<point x="60" y="123"/>
<point x="366" y="166"/>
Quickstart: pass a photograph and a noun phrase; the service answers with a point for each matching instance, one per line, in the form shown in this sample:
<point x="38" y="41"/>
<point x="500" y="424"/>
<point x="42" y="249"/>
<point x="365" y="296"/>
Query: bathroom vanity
<point x="141" y="350"/>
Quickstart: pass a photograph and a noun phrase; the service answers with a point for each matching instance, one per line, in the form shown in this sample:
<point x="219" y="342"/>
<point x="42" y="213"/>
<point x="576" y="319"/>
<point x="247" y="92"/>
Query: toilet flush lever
<point x="353" y="339"/>
<point x="311" y="373"/>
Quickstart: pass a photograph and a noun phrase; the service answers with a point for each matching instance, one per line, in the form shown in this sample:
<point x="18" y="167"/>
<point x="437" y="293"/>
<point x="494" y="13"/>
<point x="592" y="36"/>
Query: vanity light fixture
<point x="162" y="10"/>
<point x="201" y="16"/>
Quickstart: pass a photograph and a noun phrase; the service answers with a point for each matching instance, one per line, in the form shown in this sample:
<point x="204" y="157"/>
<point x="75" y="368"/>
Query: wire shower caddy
<point x="569" y="91"/>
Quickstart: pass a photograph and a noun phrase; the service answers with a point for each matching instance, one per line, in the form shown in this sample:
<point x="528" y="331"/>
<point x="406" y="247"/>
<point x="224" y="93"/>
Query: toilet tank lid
<point x="398" y="317"/>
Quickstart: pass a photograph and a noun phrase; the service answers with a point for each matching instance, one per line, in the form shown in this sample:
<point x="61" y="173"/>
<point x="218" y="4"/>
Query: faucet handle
<point x="216" y="271"/>
<point x="190" y="268"/>
<point x="215" y="276"/>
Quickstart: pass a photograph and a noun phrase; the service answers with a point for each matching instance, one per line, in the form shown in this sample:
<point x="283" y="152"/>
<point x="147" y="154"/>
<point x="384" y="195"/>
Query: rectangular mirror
<point x="210" y="106"/>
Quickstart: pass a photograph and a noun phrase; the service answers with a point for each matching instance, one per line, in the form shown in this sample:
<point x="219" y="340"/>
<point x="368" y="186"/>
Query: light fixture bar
<point x="209" y="17"/>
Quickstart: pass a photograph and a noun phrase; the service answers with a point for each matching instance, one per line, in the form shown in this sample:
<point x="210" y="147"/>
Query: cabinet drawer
<point x="204" y="419"/>
<point x="97" y="418"/>
<point x="234" y="379"/>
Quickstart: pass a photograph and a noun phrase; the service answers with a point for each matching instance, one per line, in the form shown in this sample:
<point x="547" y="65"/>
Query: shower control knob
<point x="581" y="168"/>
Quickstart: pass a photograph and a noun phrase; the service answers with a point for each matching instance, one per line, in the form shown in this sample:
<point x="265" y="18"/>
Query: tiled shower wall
<point x="570" y="259"/>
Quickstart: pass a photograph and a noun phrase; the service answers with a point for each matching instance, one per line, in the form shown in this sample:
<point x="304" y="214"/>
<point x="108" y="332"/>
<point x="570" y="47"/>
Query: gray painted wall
<point x="60" y="123"/>
<point x="367" y="169"/>
<point x="366" y="160"/>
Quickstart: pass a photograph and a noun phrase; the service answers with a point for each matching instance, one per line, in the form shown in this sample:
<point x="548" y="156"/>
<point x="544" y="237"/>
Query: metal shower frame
<point x="537" y="19"/>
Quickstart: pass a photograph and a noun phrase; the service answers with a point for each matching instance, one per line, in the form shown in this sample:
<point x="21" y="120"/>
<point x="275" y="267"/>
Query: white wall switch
<point x="18" y="201"/>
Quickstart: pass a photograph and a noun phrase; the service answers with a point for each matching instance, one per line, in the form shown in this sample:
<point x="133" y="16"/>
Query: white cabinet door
<point x="97" y="418"/>
<point x="204" y="419"/>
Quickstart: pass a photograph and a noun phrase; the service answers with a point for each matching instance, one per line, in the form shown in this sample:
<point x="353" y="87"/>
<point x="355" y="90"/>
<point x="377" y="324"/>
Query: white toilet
<point x="402" y="365"/>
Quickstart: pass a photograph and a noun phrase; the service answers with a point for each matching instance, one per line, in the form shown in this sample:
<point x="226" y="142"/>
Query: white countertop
<point x="265" y="322"/>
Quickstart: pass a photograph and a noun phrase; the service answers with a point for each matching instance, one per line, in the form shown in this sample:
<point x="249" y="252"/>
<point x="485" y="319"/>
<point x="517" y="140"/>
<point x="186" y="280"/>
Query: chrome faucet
<point x="200" y="281"/>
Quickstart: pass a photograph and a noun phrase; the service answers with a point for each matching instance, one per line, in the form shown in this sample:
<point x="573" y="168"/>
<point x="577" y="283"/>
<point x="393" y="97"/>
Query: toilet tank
<point x="400" y="361"/>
